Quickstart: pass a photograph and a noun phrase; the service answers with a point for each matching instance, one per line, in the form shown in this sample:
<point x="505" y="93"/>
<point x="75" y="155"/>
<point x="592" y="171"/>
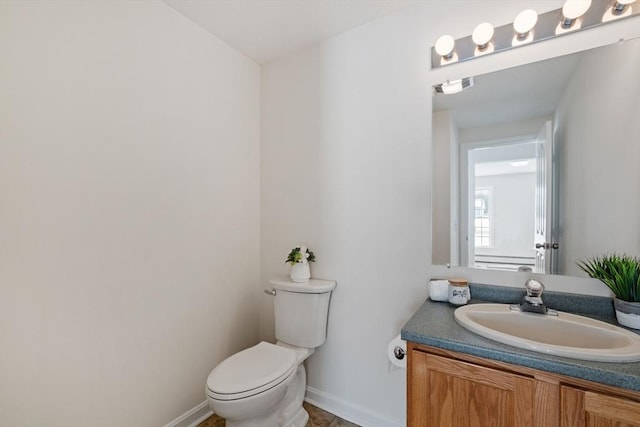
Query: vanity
<point x="521" y="158"/>
<point x="458" y="378"/>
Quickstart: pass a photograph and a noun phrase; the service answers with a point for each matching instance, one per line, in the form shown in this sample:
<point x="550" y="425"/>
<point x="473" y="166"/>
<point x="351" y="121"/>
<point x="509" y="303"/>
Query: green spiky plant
<point x="621" y="273"/>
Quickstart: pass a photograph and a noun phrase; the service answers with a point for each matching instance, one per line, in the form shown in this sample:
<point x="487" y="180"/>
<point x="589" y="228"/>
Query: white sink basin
<point x="567" y="335"/>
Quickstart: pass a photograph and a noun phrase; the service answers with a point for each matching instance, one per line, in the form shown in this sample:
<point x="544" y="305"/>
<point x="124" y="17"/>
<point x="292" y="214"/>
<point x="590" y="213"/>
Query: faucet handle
<point x="534" y="288"/>
<point x="532" y="301"/>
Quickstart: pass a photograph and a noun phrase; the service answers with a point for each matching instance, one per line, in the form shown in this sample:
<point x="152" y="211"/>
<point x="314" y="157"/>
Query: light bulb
<point x="482" y="35"/>
<point x="444" y="46"/>
<point x="574" y="9"/>
<point x="452" y="86"/>
<point x="524" y="22"/>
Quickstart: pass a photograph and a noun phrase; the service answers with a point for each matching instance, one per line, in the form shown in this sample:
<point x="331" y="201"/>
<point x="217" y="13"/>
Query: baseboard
<point x="348" y="411"/>
<point x="193" y="417"/>
<point x="328" y="402"/>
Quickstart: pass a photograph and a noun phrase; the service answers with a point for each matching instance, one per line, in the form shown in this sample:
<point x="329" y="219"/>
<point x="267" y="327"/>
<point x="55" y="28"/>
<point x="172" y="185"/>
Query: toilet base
<point x="293" y="414"/>
<point x="300" y="419"/>
<point x="263" y="421"/>
<point x="288" y="413"/>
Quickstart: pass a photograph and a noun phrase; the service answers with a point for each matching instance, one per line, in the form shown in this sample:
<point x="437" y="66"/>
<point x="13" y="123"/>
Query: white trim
<point x="348" y="411"/>
<point x="192" y="417"/>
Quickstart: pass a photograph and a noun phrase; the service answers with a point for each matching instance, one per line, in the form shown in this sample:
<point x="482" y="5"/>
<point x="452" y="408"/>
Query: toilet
<point x="264" y="385"/>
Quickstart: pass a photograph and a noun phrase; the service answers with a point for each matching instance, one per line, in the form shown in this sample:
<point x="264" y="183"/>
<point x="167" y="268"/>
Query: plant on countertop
<point x="621" y="273"/>
<point x="300" y="254"/>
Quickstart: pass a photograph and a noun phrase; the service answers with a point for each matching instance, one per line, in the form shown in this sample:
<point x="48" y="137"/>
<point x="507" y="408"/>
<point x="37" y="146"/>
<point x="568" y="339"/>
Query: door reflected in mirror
<point x="498" y="195"/>
<point x="536" y="167"/>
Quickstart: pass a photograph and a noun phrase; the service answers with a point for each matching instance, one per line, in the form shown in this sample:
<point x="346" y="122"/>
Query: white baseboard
<point x="328" y="402"/>
<point x="193" y="417"/>
<point x="348" y="411"/>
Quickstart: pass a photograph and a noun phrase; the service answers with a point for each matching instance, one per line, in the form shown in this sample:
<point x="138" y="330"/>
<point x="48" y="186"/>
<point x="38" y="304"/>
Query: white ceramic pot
<point x="300" y="272"/>
<point x="627" y="313"/>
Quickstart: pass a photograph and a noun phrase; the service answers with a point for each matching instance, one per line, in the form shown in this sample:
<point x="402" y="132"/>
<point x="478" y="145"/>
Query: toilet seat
<point x="251" y="371"/>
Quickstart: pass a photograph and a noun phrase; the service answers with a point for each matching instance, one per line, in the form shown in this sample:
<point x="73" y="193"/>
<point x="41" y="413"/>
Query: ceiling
<point x="265" y="30"/>
<point x="505" y="167"/>
<point x="513" y="94"/>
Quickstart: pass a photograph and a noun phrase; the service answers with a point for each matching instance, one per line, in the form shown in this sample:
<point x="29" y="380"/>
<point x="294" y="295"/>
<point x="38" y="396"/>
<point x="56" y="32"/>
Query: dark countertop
<point x="434" y="325"/>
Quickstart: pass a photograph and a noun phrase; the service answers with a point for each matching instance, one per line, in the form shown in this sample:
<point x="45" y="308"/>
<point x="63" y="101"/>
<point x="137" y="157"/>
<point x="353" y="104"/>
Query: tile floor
<point x="317" y="418"/>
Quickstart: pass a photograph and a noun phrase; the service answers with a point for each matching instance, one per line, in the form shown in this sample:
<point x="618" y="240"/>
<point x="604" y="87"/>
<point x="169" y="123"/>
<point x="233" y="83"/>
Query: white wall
<point x="336" y="126"/>
<point x="129" y="219"/>
<point x="527" y="128"/>
<point x="597" y="140"/>
<point x="346" y="170"/>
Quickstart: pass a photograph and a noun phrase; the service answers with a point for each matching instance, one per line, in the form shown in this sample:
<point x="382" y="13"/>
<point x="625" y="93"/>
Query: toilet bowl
<point x="262" y="386"/>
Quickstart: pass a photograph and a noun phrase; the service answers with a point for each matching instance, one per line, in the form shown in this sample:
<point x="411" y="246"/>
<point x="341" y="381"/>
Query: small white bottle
<point x="459" y="293"/>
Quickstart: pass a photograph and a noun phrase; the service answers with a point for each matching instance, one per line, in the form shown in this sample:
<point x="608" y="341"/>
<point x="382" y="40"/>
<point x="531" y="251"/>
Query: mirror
<point x="543" y="155"/>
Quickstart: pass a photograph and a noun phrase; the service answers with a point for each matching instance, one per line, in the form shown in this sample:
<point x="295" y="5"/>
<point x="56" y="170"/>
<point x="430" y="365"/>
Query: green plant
<point x="300" y="254"/>
<point x="621" y="273"/>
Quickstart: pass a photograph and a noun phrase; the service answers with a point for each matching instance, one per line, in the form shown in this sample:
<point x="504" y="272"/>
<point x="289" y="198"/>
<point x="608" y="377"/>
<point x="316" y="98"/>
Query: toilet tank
<point x="301" y="311"/>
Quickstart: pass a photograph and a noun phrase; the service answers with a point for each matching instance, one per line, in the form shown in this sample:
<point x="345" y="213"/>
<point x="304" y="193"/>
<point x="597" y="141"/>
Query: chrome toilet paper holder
<point x="399" y="352"/>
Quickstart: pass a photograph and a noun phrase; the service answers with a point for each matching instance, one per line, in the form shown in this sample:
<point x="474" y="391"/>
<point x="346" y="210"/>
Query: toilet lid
<point x="255" y="369"/>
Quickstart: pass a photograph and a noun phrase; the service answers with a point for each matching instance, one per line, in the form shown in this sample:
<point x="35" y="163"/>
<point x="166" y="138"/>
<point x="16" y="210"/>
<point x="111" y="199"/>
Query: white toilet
<point x="263" y="386"/>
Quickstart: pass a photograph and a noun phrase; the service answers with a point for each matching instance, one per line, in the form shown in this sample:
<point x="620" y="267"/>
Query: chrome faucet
<point x="533" y="300"/>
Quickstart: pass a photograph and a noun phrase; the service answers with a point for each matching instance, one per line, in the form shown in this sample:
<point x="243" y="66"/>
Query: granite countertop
<point x="434" y="325"/>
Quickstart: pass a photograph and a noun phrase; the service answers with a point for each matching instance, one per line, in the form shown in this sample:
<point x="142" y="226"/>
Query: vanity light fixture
<point x="524" y="23"/>
<point x="519" y="163"/>
<point x="444" y="46"/>
<point x="482" y="36"/>
<point x="530" y="27"/>
<point x="453" y="86"/>
<point x="573" y="10"/>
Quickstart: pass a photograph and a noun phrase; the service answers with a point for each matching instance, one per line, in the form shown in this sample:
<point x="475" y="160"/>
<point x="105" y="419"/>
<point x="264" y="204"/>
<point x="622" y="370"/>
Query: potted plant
<point x="299" y="258"/>
<point x="621" y="274"/>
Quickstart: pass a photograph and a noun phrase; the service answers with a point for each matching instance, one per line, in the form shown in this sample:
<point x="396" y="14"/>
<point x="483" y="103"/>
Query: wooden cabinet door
<point x="579" y="408"/>
<point x="449" y="393"/>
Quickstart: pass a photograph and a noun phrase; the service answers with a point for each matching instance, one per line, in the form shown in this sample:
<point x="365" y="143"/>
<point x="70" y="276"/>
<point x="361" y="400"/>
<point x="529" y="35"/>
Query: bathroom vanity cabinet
<point x="451" y="389"/>
<point x="589" y="408"/>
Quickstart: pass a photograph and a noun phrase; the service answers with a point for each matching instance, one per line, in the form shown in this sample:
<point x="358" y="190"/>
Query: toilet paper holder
<point x="399" y="352"/>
